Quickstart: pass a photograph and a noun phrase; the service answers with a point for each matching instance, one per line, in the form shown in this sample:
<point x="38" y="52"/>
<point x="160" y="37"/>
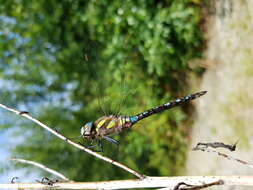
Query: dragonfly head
<point x="86" y="129"/>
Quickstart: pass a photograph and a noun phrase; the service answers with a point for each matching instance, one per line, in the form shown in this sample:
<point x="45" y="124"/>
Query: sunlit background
<point x="69" y="62"/>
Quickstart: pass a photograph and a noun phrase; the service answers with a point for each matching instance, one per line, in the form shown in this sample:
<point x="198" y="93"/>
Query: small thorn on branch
<point x="23" y="112"/>
<point x="13" y="179"/>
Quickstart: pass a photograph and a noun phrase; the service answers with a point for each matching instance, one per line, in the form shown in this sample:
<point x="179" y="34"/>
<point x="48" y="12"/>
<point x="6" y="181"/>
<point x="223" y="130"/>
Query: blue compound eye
<point x="86" y="129"/>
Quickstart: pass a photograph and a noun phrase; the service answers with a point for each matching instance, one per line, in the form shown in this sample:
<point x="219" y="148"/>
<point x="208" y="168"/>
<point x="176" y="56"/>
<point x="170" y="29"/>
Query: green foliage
<point x="61" y="57"/>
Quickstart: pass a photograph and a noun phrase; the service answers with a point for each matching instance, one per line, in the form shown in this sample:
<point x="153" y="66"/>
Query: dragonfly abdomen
<point x="166" y="106"/>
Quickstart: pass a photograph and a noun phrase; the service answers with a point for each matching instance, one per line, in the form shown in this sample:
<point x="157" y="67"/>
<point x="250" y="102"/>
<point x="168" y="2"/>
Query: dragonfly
<point x="106" y="126"/>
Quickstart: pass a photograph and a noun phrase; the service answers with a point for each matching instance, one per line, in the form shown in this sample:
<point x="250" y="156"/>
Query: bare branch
<point x="196" y="187"/>
<point x="148" y="182"/>
<point x="40" y="166"/>
<point x="224" y="155"/>
<point x="56" y="133"/>
<point x="217" y="145"/>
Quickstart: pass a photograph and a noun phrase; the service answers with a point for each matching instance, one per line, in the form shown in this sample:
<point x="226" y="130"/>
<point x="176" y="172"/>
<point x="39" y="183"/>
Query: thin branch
<point x="26" y="115"/>
<point x="196" y="187"/>
<point x="148" y="182"/>
<point x="40" y="166"/>
<point x="230" y="147"/>
<point x="225" y="156"/>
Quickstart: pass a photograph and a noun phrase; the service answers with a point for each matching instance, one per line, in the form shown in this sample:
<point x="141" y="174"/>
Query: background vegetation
<point x="59" y="59"/>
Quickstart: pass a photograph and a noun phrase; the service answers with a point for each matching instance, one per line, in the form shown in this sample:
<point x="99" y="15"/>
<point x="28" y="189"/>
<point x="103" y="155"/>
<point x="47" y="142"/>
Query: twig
<point x="224" y="155"/>
<point x="148" y="182"/>
<point x="217" y="145"/>
<point x="40" y="166"/>
<point x="13" y="179"/>
<point x="48" y="181"/>
<point x="196" y="187"/>
<point x="26" y="115"/>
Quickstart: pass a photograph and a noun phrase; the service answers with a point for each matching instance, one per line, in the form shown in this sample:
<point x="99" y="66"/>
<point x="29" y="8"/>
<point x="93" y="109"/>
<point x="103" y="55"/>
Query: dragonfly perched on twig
<point x="106" y="126"/>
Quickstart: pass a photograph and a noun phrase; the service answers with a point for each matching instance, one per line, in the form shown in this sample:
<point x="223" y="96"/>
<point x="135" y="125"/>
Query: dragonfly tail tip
<point x="203" y="92"/>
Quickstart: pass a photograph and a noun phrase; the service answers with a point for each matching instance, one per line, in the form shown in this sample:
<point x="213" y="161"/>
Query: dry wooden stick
<point x="148" y="182"/>
<point x="56" y="133"/>
<point x="224" y="155"/>
<point x="40" y="166"/>
<point x="230" y="147"/>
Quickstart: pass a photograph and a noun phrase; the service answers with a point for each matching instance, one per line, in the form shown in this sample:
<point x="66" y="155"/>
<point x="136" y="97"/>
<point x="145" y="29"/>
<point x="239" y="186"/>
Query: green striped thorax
<point x="107" y="125"/>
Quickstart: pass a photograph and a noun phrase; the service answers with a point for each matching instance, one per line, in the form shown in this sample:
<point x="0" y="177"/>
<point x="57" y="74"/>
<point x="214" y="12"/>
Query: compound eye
<point x="82" y="131"/>
<point x="86" y="129"/>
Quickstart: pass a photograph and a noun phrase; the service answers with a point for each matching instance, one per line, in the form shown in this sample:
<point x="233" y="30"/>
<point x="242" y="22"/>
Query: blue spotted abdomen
<point x="166" y="106"/>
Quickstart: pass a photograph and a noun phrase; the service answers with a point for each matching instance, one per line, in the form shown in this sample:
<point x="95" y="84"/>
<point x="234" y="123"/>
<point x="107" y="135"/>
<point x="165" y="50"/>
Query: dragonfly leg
<point x="111" y="140"/>
<point x="100" y="145"/>
<point x="115" y="142"/>
<point x="93" y="146"/>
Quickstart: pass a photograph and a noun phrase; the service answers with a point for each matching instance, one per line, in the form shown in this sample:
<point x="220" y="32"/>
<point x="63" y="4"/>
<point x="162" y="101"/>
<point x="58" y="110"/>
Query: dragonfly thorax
<point x="106" y="125"/>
